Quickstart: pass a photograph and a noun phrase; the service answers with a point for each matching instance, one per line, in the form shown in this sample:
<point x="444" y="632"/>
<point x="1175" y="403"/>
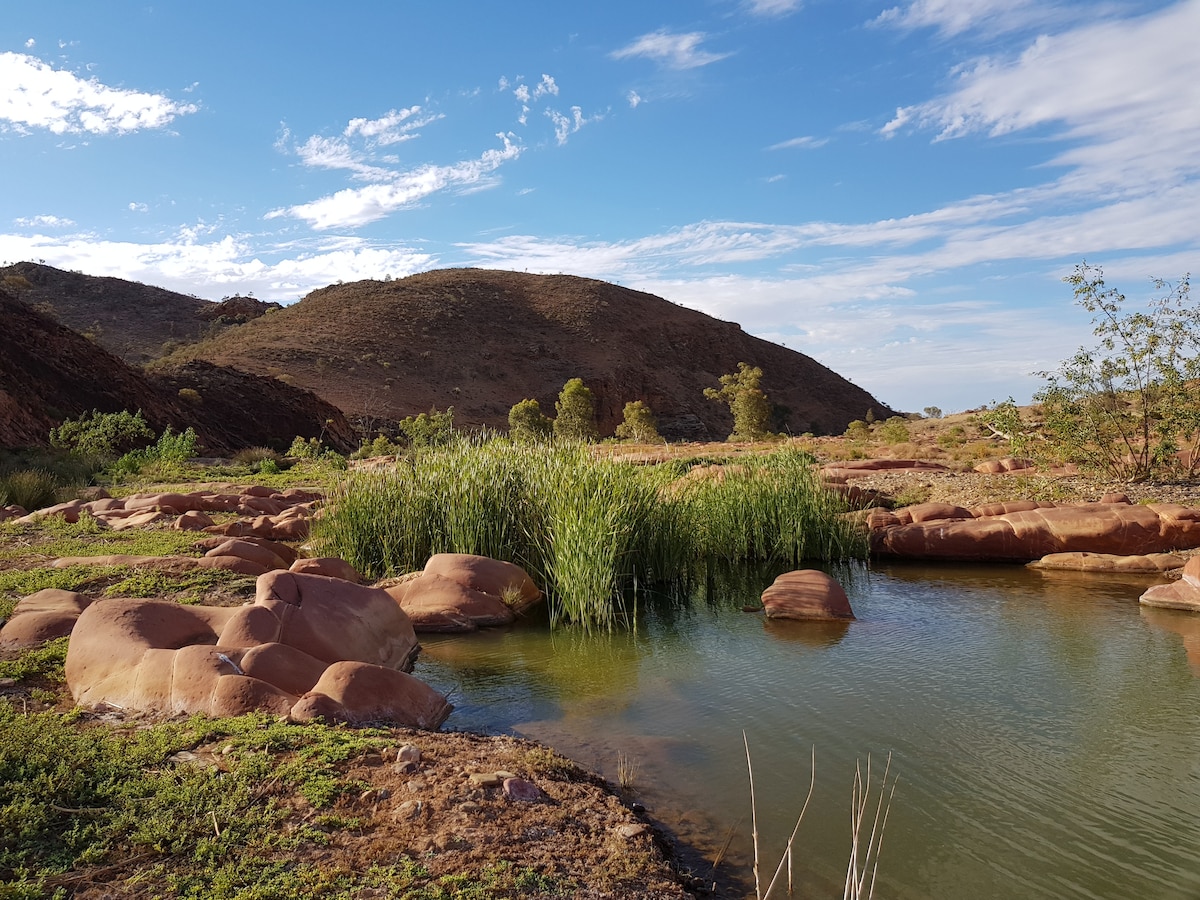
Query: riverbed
<point x="1044" y="728"/>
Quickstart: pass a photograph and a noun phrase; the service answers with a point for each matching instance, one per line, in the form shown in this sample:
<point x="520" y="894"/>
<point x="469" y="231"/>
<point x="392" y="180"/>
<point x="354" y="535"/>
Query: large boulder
<point x="806" y="594"/>
<point x="1028" y="534"/>
<point x="460" y="592"/>
<point x="1182" y="594"/>
<point x="48" y="614"/>
<point x="1110" y="563"/>
<point x="303" y="636"/>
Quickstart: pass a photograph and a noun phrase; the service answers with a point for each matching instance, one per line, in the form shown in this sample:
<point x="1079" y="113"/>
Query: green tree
<point x="575" y="412"/>
<point x="103" y="434"/>
<point x="527" y="424"/>
<point x="858" y="430"/>
<point x="1128" y="405"/>
<point x="639" y="424"/>
<point x="932" y="412"/>
<point x="750" y="407"/>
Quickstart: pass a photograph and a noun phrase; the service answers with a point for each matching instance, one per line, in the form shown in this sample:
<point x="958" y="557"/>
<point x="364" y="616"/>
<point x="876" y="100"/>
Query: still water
<point x="1045" y="728"/>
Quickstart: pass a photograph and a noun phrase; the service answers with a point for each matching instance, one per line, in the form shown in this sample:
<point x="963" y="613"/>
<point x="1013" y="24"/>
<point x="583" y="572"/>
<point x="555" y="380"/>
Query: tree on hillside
<point x="639" y="424"/>
<point x="575" y="412"/>
<point x="746" y="400"/>
<point x="527" y="424"/>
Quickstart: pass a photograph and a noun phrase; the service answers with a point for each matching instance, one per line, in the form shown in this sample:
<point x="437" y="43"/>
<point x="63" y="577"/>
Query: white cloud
<point x="33" y="95"/>
<point x="43" y="222"/>
<point x="358" y="206"/>
<point x="567" y="125"/>
<point x="134" y="206"/>
<point x="1119" y="92"/>
<point x="800" y="143"/>
<point x="772" y="8"/>
<point x="634" y="98"/>
<point x="30" y="43"/>
<point x="953" y="17"/>
<point x="546" y="86"/>
<point x="218" y="267"/>
<point x="675" y="51"/>
<point x="396" y="126"/>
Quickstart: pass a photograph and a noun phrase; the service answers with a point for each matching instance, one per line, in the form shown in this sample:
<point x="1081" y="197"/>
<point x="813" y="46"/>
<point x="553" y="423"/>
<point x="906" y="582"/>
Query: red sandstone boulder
<point x="1082" y="561"/>
<point x="329" y="566"/>
<point x="1117" y="528"/>
<point x="504" y="580"/>
<point x="309" y="646"/>
<point x="41" y="617"/>
<point x="358" y="693"/>
<point x="806" y="594"/>
<point x="254" y="552"/>
<point x="436" y="604"/>
<point x="858" y="468"/>
<point x="1005" y="465"/>
<point x="1177" y="595"/>
<point x="193" y="520"/>
<point x="176" y="563"/>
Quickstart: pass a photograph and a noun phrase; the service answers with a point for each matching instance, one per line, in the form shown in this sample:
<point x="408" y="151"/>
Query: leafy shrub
<point x="527" y="424"/>
<point x="894" y="430"/>
<point x="858" y="430"/>
<point x="190" y="395"/>
<point x="28" y="488"/>
<point x="639" y="424"/>
<point x="249" y="456"/>
<point x="103" y="434"/>
<point x="170" y="448"/>
<point x="431" y="429"/>
<point x="575" y="412"/>
<point x="380" y="446"/>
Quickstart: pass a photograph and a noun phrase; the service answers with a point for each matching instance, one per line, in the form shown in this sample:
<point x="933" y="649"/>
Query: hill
<point x="49" y="373"/>
<point x="482" y="340"/>
<point x="137" y="322"/>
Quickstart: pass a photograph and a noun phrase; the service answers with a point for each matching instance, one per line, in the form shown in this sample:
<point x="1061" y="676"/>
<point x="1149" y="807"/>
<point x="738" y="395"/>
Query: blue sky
<point x="894" y="188"/>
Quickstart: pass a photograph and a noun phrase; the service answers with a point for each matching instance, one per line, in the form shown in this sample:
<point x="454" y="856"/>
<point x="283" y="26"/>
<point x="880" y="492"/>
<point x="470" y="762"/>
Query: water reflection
<point x="1184" y="624"/>
<point x="1045" y="730"/>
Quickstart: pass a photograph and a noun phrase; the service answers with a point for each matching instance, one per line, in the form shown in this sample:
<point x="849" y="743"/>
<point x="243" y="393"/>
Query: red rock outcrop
<point x="41" y="617"/>
<point x="1183" y="594"/>
<point x="1109" y="563"/>
<point x="806" y="594"/>
<point x="462" y="592"/>
<point x="308" y="646"/>
<point x="1022" y="535"/>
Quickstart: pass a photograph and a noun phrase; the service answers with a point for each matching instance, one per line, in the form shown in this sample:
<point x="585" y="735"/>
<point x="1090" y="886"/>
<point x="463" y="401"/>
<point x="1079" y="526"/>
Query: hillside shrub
<point x="894" y="430"/>
<point x="527" y="424"/>
<point x="103" y="434"/>
<point x="171" y="449"/>
<point x="575" y="412"/>
<point x="751" y="409"/>
<point x="639" y="424"/>
<point x="380" y="445"/>
<point x="431" y="429"/>
<point x="858" y="431"/>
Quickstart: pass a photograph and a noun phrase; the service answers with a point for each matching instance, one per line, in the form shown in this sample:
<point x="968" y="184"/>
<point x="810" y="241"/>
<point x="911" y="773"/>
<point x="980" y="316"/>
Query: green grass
<point x="586" y="528"/>
<point x="54" y="537"/>
<point x="81" y="802"/>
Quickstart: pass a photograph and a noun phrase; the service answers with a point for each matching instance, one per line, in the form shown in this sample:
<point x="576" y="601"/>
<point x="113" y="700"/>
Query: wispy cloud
<point x="953" y="17"/>
<point x="135" y="206"/>
<point x="675" y="51"/>
<point x="565" y="125"/>
<point x="188" y="264"/>
<point x="395" y="190"/>
<point x="34" y="95"/>
<point x="800" y="143"/>
<point x="634" y="98"/>
<point x="43" y="222"/>
<point x="1118" y="93"/>
<point x="772" y="8"/>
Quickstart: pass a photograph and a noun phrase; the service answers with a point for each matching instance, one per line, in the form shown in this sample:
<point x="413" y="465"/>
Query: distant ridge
<point x="49" y="373"/>
<point x="481" y="340"/>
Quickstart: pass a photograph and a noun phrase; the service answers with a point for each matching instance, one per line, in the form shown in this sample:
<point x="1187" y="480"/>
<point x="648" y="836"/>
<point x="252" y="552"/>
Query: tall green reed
<point x="585" y="527"/>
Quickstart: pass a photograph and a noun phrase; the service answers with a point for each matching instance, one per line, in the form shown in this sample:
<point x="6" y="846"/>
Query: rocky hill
<point x="49" y="373"/>
<point x="482" y="340"/>
<point x="137" y="322"/>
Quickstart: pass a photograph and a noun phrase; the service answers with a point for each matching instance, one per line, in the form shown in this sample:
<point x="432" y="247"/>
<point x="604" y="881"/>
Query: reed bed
<point x="586" y="528"/>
